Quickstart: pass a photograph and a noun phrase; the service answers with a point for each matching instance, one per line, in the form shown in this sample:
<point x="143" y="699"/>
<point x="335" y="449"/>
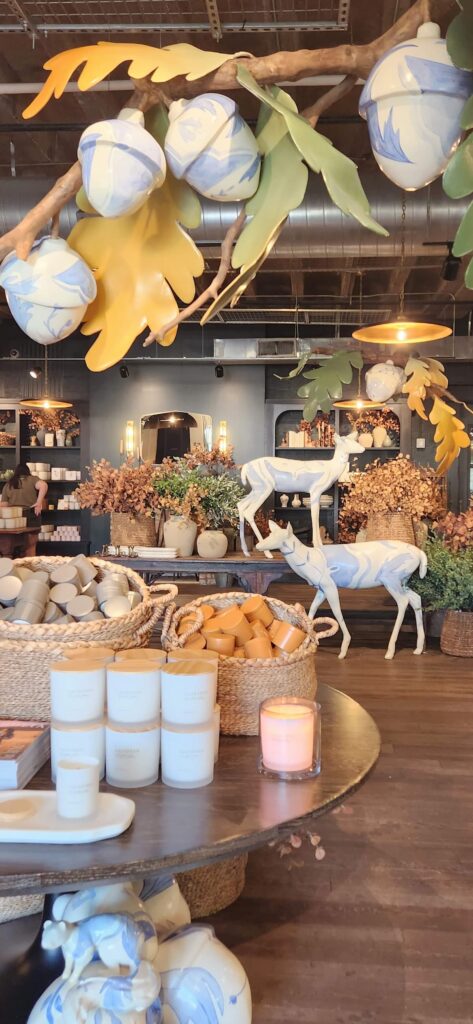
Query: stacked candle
<point x="78" y="708"/>
<point x="188" y="694"/>
<point x="249" y="630"/>
<point x="133" y="726"/>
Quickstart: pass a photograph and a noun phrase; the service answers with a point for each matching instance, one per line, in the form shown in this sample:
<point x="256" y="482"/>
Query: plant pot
<point x="69" y="441"/>
<point x="390" y="526"/>
<point x="434" y="623"/>
<point x="180" y="533"/>
<point x="61" y="438"/>
<point x="40" y="434"/>
<point x="456" y="637"/>
<point x="379" y="436"/>
<point x="126" y="530"/>
<point x="212" y="544"/>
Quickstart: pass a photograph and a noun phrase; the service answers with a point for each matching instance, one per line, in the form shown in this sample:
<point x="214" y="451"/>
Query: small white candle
<point x="77" y="787"/>
<point x="74" y="742"/>
<point x="131" y="755"/>
<point x="189" y="692"/>
<point x="216" y="731"/>
<point x="187" y="755"/>
<point x="133" y="691"/>
<point x="77" y="690"/>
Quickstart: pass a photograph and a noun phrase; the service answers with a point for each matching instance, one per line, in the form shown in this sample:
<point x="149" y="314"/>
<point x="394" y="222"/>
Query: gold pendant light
<point x="46" y="402"/>
<point x="402" y="331"/>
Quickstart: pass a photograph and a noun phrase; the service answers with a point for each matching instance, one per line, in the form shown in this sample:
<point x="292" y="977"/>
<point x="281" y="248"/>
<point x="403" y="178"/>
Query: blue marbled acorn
<point x="210" y="145"/>
<point x="49" y="292"/>
<point x="121" y="164"/>
<point x="413" y="101"/>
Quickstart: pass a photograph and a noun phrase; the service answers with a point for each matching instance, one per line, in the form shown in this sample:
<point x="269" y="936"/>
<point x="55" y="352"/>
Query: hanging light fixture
<point x="46" y="402"/>
<point x="402" y="331"/>
<point x="359" y="402"/>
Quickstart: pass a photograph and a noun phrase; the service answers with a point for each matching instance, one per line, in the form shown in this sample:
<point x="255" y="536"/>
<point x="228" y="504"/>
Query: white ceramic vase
<point x="366" y="440"/>
<point x="296" y="501"/>
<point x="61" y="438"/>
<point x="413" y="100"/>
<point x="210" y="145"/>
<point x="212" y="544"/>
<point x="284" y="500"/>
<point x="180" y="533"/>
<point x="379" y="436"/>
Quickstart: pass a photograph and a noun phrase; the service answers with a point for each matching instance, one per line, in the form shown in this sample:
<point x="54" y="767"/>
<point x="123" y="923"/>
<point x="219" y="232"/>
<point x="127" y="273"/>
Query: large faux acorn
<point x="383" y="381"/>
<point x="121" y="164"/>
<point x="210" y="145"/>
<point x="48" y="293"/>
<point x="413" y="101"/>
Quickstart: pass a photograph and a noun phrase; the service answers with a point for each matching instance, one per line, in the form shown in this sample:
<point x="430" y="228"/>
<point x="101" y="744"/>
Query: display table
<point x="26" y="538"/>
<point x="254" y="574"/>
<point x="175" y="830"/>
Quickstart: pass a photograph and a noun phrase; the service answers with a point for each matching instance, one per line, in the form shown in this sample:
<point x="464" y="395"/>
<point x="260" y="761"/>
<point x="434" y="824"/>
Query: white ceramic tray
<point x="29" y="816"/>
<point x="157" y="558"/>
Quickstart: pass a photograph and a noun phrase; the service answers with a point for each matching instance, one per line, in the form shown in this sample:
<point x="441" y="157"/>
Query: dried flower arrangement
<point x="52" y="420"/>
<point x="368" y="419"/>
<point x="128" y="489"/>
<point x="456" y="531"/>
<point x="398" y="485"/>
<point x="214" y="458"/>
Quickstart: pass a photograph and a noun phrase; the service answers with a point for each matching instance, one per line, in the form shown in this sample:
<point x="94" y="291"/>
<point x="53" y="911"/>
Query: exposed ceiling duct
<point x="317" y="230"/>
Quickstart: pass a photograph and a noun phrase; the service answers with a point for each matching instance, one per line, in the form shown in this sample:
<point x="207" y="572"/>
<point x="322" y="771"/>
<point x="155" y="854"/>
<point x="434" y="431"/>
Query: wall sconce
<point x="222" y="437"/>
<point x="130" y="438"/>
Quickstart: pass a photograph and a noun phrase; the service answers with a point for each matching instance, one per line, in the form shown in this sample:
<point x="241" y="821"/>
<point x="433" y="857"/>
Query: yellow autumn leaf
<point x="450" y="435"/>
<point x="139" y="261"/>
<point x="422" y="374"/>
<point x="100" y="59"/>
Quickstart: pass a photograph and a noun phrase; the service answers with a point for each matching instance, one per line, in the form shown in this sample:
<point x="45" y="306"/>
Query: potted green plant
<point x="178" y="494"/>
<point x="447" y="596"/>
<point x="220" y="497"/>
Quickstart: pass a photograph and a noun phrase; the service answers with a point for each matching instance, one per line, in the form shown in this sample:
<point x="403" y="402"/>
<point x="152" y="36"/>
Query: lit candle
<point x="132" y="755"/>
<point x="77" y="690"/>
<point x="133" y="691"/>
<point x="77" y="787"/>
<point x="288" y="730"/>
<point x="187" y="754"/>
<point x="74" y="742"/>
<point x="189" y="691"/>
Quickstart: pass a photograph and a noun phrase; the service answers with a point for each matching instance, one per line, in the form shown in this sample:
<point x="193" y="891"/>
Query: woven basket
<point x="26" y="652"/>
<point x="130" y="531"/>
<point x="214" y="887"/>
<point x="456" y="637"/>
<point x="390" y="526"/>
<point x="244" y="683"/>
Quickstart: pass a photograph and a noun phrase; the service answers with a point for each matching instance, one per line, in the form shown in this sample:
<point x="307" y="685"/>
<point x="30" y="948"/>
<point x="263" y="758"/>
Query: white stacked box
<point x="12" y="518"/>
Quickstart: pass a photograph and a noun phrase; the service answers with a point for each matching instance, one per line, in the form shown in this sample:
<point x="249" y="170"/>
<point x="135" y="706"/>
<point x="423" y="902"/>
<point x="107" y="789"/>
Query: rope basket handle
<point x="172" y="618"/>
<point x="169" y="590"/>
<point x="332" y="627"/>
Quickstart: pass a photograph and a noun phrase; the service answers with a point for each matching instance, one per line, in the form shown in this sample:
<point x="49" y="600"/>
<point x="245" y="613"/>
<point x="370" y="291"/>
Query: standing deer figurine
<point x="315" y="476"/>
<point x="377" y="563"/>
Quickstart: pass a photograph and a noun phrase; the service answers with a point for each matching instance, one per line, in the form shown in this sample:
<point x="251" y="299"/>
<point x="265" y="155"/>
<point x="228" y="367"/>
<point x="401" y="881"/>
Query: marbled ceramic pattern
<point x="121" y="165"/>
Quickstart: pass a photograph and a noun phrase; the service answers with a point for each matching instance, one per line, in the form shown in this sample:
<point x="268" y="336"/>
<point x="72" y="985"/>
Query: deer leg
<point x="314" y="512"/>
<point x="250" y="514"/>
<point x="331" y="593"/>
<point x="402" y="602"/>
<point x="242" y="506"/>
<point x="415" y="602"/>
<point x="318" y="599"/>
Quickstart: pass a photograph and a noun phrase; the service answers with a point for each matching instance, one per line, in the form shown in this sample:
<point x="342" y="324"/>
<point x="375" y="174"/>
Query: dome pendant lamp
<point x="45" y="402"/>
<point x="402" y="331"/>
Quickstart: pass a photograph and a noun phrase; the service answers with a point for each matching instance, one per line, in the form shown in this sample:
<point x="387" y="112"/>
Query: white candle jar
<point x="188" y="692"/>
<point x="216" y="731"/>
<point x="133" y="691"/>
<point x="74" y="742"/>
<point x="290" y="737"/>
<point x="187" y="755"/>
<point x="77" y="691"/>
<point x="77" y="788"/>
<point x="132" y="755"/>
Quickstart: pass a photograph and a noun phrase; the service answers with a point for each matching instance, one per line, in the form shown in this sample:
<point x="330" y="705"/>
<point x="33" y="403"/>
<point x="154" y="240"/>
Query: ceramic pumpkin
<point x="48" y="293"/>
<point x="210" y="145"/>
<point x="121" y="164"/>
<point x="412" y="101"/>
<point x="384" y="380"/>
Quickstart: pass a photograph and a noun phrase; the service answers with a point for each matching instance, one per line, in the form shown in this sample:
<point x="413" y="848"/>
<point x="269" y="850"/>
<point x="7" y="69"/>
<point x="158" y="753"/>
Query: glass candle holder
<point x="290" y="737"/>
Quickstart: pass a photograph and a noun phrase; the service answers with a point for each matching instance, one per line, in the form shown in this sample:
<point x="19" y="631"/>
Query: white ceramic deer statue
<point x="315" y="476"/>
<point x="377" y="563"/>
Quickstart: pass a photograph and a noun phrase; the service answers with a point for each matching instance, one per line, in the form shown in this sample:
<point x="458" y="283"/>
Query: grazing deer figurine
<point x="268" y="474"/>
<point x="377" y="563"/>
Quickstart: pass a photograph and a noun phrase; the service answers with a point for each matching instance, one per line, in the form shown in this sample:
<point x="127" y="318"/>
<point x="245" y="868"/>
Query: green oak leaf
<point x="271" y="126"/>
<point x="458" y="176"/>
<point x="340" y="174"/>
<point x="233" y="292"/>
<point x="467" y="115"/>
<point x="464" y="237"/>
<point x="326" y="382"/>
<point x="460" y="38"/>
<point x="310" y="410"/>
<point x="469" y="274"/>
<point x="297" y="369"/>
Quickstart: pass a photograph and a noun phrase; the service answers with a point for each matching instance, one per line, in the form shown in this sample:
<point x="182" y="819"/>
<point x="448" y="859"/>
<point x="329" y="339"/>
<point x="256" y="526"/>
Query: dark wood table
<point x="175" y="830"/>
<point x="25" y="538"/>
<point x="254" y="574"/>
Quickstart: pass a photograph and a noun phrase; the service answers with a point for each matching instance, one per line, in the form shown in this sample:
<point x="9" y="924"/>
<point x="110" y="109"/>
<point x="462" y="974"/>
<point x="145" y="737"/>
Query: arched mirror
<point x="171" y="434"/>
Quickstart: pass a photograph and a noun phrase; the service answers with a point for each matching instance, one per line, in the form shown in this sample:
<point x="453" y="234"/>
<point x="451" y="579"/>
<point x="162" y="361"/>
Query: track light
<point x="124" y="371"/>
<point x="451" y="265"/>
<point x="36" y="372"/>
<point x="219" y="371"/>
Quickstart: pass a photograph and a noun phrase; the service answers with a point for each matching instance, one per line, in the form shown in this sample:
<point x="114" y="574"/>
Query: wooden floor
<point x="381" y="930"/>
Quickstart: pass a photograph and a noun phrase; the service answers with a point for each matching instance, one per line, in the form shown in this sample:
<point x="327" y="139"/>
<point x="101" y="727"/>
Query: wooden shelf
<point x="279" y="508"/>
<point x="284" y="448"/>
<point x="7" y="448"/>
<point x="50" y="448"/>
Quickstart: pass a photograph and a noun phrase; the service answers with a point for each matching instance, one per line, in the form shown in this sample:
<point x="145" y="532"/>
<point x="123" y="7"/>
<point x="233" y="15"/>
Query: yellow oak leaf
<point x="450" y="435"/>
<point x="100" y="59"/>
<point x="422" y="374"/>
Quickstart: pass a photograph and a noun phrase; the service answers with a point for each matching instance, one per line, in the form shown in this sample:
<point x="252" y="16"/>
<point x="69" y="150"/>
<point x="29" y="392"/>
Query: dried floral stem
<point x="213" y="289"/>
<point x="444" y="393"/>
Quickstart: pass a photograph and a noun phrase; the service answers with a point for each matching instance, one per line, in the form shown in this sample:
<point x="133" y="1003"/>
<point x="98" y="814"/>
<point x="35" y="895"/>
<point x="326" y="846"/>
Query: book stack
<point x="24" y="748"/>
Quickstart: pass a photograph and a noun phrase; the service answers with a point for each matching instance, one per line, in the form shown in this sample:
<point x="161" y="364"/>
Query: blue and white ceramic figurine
<point x="383" y="380"/>
<point x="121" y="164"/>
<point x="413" y="101"/>
<point x="48" y="293"/>
<point x="210" y="145"/>
<point x="188" y="977"/>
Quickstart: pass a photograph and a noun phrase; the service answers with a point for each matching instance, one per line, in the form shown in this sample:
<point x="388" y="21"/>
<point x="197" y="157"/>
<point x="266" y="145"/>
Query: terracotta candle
<point x="187" y="755"/>
<point x="132" y="755"/>
<point x="74" y="742"/>
<point x="152" y="654"/>
<point x="288" y="638"/>
<point x="221" y="643"/>
<point x="255" y="607"/>
<point x="188" y="692"/>
<point x="257" y="629"/>
<point x="133" y="691"/>
<point x="184" y="655"/>
<point x="77" y="787"/>
<point x="207" y="611"/>
<point x="186" y="622"/>
<point x="77" y="690"/>
<point x="287" y="732"/>
<point x="234" y="623"/>
<point x="259" y="647"/>
<point x="196" y="643"/>
<point x="239" y="652"/>
<point x="273" y="629"/>
<point x="210" y="627"/>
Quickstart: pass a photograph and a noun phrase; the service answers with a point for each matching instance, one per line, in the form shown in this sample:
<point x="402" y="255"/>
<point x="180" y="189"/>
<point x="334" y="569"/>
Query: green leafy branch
<point x="325" y="384"/>
<point x="458" y="177"/>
